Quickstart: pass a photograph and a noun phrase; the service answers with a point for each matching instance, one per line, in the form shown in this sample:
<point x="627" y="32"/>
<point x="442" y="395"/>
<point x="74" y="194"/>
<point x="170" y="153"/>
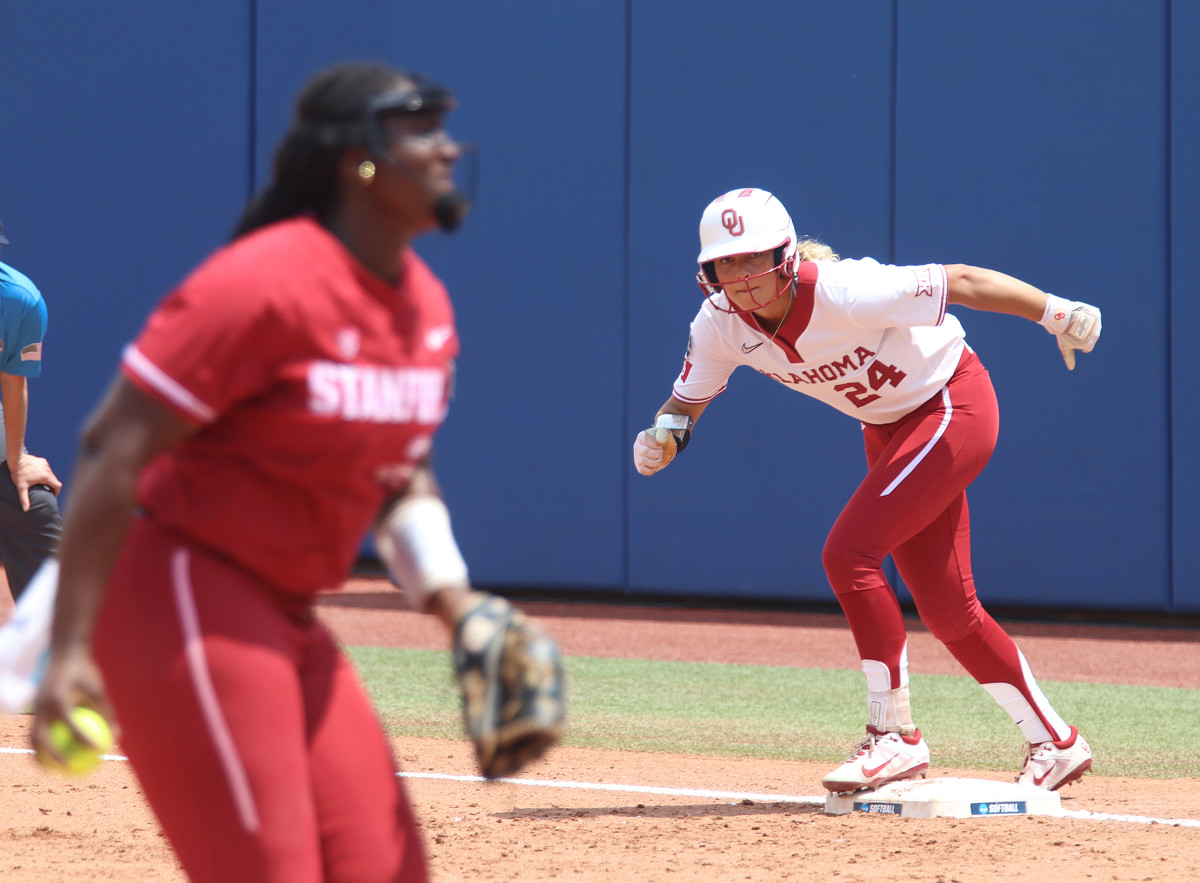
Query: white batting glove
<point x="652" y="450"/>
<point x="1076" y="326"/>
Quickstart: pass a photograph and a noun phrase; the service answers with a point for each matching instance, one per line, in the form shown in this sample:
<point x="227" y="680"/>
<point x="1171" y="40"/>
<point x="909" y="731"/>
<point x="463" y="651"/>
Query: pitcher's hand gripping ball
<point x="511" y="675"/>
<point x="80" y="758"/>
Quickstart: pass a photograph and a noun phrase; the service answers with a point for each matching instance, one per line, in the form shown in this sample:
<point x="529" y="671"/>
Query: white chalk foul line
<point x="1117" y="817"/>
<point x="768" y="798"/>
<point x="806" y="800"/>
<point x="30" y="751"/>
<point x="632" y="789"/>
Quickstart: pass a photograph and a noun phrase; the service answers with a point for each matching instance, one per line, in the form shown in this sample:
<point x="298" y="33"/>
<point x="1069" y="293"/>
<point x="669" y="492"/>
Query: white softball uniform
<point x="872" y="340"/>
<point x="875" y="342"/>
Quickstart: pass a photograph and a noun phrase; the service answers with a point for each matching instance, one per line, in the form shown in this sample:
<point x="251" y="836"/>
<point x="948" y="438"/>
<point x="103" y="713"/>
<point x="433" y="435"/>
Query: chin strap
<point x="450" y="211"/>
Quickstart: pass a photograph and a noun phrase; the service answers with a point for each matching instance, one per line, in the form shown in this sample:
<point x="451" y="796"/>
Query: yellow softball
<point x="81" y="759"/>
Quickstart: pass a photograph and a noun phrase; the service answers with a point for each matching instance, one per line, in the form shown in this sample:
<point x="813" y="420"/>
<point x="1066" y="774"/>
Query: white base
<point x="948" y="797"/>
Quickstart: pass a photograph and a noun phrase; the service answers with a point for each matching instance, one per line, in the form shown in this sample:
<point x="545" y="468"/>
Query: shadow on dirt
<point x="675" y="811"/>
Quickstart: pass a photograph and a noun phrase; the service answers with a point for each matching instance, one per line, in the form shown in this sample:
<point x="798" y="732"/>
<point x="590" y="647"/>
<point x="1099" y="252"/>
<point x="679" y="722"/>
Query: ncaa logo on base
<point x="1009" y="808"/>
<point x="891" y="809"/>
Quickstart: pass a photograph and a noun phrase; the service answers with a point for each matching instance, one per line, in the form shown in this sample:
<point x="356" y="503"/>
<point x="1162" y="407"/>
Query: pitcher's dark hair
<point x="326" y="120"/>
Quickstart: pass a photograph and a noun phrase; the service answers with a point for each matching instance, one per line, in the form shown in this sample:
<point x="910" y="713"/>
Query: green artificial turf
<point x="798" y="714"/>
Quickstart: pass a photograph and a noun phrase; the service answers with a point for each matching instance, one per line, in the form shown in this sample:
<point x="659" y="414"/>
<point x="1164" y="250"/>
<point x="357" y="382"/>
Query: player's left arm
<point x="1076" y="325"/>
<point x="415" y="541"/>
<point x="994" y="292"/>
<point x="509" y="670"/>
<point x="26" y="470"/>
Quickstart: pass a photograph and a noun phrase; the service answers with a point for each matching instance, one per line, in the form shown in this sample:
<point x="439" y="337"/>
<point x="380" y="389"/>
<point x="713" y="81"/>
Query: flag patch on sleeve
<point x="32" y="353"/>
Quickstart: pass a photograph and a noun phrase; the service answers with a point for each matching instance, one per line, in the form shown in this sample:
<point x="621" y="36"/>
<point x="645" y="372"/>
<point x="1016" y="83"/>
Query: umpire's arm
<point x="25" y="469"/>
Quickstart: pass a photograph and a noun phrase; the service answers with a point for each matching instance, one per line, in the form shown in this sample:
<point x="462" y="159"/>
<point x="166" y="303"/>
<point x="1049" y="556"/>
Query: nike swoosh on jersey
<point x="435" y="338"/>
<point x="750" y="349"/>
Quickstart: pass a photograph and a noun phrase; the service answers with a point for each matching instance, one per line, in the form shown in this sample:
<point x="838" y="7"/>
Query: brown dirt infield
<point x="99" y="828"/>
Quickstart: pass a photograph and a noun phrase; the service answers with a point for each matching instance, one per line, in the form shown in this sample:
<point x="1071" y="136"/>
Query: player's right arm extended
<point x="657" y="446"/>
<point x="126" y="432"/>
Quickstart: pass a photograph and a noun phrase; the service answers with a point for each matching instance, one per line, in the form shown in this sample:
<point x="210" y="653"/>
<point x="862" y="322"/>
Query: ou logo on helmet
<point x="733" y="222"/>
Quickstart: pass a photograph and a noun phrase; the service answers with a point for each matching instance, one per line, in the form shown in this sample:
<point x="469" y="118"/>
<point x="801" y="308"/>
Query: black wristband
<point x="679" y="425"/>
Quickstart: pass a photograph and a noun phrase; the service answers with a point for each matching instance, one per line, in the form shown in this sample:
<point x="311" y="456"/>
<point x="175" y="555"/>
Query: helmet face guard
<point x="707" y="279"/>
<point x="745" y="221"/>
<point x="427" y="97"/>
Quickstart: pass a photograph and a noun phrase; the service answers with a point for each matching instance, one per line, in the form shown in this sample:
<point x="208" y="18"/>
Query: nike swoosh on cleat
<point x="750" y="349"/>
<point x="870" y="774"/>
<point x="1038" y="780"/>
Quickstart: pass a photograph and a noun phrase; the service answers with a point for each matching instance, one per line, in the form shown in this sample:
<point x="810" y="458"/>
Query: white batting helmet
<point x="743" y="222"/>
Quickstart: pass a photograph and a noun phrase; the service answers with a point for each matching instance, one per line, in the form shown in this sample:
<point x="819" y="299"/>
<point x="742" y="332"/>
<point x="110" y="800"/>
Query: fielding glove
<point x="513" y="686"/>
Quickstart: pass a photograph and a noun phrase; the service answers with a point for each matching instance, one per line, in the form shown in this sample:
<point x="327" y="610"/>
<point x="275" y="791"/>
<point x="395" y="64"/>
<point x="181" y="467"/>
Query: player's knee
<point x="849" y="568"/>
<point x="953" y="626"/>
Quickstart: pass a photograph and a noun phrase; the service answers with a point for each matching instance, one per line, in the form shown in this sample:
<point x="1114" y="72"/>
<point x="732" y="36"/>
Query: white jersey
<point x="872" y="340"/>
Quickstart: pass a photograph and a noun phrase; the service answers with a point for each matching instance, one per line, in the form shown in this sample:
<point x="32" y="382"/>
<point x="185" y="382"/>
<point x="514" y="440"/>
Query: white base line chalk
<point x="1085" y="815"/>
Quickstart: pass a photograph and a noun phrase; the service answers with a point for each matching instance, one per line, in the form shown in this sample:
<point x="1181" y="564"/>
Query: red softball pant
<point x="913" y="505"/>
<point x="248" y="730"/>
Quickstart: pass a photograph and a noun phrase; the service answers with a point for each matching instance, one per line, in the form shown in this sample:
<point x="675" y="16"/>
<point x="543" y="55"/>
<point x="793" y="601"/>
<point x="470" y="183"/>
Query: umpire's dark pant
<point x="26" y="538"/>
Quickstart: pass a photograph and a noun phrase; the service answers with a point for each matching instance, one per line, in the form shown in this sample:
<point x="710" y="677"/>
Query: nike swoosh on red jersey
<point x="435" y="338"/>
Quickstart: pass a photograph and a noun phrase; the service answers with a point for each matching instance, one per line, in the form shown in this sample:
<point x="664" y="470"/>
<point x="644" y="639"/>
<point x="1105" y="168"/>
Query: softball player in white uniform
<point x="876" y="343"/>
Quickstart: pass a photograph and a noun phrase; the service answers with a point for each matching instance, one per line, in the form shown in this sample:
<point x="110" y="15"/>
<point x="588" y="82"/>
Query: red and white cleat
<point x="880" y="758"/>
<point x="1051" y="765"/>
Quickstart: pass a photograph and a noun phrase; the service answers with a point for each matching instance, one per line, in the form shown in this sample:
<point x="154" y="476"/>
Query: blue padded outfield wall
<point x="1057" y="141"/>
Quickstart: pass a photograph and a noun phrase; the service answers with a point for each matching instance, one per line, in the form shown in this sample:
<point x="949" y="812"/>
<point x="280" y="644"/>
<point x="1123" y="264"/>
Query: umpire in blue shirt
<point x="30" y="524"/>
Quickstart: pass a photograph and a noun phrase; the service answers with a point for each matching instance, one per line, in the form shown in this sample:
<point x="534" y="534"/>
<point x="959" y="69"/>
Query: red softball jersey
<point x="317" y="387"/>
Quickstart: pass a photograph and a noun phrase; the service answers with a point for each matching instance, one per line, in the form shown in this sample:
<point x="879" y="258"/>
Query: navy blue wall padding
<point x="1064" y="153"/>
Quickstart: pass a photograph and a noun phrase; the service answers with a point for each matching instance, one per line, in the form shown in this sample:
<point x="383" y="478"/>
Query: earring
<point x="366" y="170"/>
